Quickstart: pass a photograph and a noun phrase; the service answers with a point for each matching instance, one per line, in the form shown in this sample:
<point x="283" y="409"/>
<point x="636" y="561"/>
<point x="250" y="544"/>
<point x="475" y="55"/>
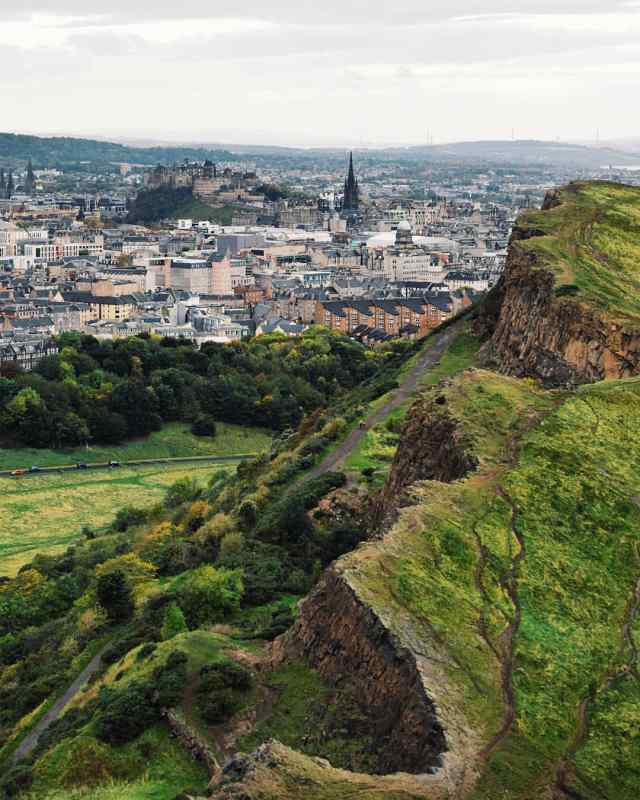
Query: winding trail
<point x="426" y="360"/>
<point x="28" y="744"/>
<point x="629" y="669"/>
<point x="504" y="650"/>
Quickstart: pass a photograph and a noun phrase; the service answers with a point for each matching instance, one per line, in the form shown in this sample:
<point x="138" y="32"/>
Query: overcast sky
<point x="303" y="72"/>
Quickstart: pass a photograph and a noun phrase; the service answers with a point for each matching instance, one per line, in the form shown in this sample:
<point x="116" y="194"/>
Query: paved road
<point x="140" y="463"/>
<point x="428" y="359"/>
<point x="55" y="712"/>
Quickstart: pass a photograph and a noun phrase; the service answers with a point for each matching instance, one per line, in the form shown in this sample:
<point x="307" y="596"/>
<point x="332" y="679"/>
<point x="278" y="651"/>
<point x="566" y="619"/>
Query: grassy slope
<point x="172" y="441"/>
<point x="46" y="513"/>
<point x="592" y="241"/>
<point x="574" y="490"/>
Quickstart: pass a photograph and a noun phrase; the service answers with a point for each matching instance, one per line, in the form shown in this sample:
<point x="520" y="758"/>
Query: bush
<point x="567" y="290"/>
<point x="126" y="714"/>
<point x="225" y="675"/>
<point x="220" y="707"/>
<point x="208" y="594"/>
<point x="128" y="517"/>
<point x="186" y="490"/>
<point x="146" y="650"/>
<point x="114" y="595"/>
<point x="203" y="425"/>
<point x="174" y="622"/>
<point x="119" y="649"/>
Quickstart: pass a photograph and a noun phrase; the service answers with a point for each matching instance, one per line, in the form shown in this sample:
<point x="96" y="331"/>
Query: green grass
<point x="570" y="467"/>
<point x="80" y="763"/>
<point x="173" y="441"/>
<point x="591" y="242"/>
<point x="46" y="513"/>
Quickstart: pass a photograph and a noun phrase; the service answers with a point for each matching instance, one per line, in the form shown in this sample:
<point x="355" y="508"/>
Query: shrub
<point x="248" y="513"/>
<point x="119" y="649"/>
<point x="219" y="707"/>
<point x="174" y="622"/>
<point x="146" y="650"/>
<point x="186" y="490"/>
<point x="127" y="713"/>
<point x="208" y="594"/>
<point x="203" y="425"/>
<point x="114" y="595"/>
<point x="128" y="517"/>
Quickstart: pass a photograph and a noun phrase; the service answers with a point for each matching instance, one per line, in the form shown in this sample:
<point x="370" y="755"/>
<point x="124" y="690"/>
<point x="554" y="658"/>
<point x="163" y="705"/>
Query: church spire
<point x="351" y="191"/>
<point x="30" y="182"/>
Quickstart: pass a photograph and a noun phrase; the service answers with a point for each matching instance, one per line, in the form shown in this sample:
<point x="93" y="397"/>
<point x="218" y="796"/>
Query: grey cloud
<point x="308" y="11"/>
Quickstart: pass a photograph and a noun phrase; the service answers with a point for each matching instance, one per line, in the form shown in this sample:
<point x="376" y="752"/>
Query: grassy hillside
<point x="525" y="578"/>
<point x="591" y="241"/>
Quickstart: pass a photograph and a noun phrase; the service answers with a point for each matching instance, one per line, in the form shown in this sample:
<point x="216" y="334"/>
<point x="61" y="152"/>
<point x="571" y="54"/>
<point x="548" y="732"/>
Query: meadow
<point x="46" y="513"/>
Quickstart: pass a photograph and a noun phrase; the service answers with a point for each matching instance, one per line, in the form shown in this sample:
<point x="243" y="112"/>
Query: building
<point x="351" y="200"/>
<point x="412" y="317"/>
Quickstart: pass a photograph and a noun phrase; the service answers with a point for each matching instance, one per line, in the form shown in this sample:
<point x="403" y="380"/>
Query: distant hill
<point x="54" y="151"/>
<point x="528" y="152"/>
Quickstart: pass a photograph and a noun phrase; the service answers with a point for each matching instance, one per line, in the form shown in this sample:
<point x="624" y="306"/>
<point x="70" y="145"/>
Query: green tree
<point x="115" y="596"/>
<point x="174" y="622"/>
<point x="209" y="594"/>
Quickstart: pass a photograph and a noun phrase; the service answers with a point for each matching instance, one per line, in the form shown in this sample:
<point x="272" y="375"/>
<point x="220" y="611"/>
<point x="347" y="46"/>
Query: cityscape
<point x="369" y="246"/>
<point x="320" y="400"/>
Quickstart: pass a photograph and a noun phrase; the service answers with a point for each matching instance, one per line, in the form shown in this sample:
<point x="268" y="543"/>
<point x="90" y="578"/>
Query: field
<point x="46" y="513"/>
<point x="173" y="441"/>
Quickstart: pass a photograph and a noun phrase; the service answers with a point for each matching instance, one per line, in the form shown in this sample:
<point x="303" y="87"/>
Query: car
<point x="35" y="469"/>
<point x="82" y="465"/>
<point x="18" y="472"/>
<point x="114" y="463"/>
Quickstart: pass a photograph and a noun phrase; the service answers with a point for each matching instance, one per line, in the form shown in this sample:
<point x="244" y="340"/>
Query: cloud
<point x="481" y="66"/>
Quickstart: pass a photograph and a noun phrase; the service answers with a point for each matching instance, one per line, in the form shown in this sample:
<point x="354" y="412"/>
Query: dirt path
<point x="426" y="360"/>
<point x="55" y="712"/>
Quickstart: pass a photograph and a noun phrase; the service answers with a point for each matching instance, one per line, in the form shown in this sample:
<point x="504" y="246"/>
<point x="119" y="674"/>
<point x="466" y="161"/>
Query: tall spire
<point x="351" y="192"/>
<point x="30" y="182"/>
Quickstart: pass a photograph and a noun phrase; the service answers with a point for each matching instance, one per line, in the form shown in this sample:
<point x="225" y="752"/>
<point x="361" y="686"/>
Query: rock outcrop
<point x="560" y="340"/>
<point x="346" y="641"/>
<point x="431" y="448"/>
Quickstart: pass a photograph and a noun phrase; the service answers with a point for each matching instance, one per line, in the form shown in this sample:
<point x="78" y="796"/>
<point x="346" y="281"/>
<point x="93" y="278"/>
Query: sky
<point x="321" y="72"/>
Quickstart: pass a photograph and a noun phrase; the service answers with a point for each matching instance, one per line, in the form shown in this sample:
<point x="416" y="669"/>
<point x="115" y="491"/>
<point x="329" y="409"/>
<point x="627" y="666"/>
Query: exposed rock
<point x="431" y="448"/>
<point x="558" y="340"/>
<point x="346" y="641"/>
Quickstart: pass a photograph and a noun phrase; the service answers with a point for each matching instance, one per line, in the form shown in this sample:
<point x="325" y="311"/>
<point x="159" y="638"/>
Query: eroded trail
<point x="504" y="648"/>
<point x="627" y="657"/>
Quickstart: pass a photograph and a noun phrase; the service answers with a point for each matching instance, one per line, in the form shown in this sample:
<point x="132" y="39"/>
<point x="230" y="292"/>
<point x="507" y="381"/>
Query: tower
<point x="30" y="182"/>
<point x="351" y="191"/>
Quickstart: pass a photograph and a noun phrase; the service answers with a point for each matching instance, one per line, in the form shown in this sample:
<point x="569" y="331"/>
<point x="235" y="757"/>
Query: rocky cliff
<point x="566" y="309"/>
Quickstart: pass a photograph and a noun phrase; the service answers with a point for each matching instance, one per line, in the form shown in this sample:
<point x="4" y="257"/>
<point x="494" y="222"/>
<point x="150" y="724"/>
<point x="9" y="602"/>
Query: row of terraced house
<point x="411" y="317"/>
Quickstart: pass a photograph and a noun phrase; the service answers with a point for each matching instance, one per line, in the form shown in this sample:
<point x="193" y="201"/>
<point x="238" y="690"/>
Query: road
<point x="55" y="712"/>
<point x="141" y="463"/>
<point x="426" y="360"/>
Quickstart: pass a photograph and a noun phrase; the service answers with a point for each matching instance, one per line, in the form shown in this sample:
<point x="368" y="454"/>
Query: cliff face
<point x="431" y="448"/>
<point x="561" y="340"/>
<point x="341" y="634"/>
<point x="344" y="639"/>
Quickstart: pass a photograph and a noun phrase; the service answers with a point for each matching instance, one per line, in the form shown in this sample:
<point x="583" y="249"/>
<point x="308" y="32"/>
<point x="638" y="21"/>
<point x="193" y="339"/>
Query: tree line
<point x="110" y="391"/>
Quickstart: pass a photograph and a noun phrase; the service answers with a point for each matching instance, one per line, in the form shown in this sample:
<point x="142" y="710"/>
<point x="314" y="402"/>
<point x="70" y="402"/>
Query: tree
<point x="174" y="622"/>
<point x="208" y="594"/>
<point x="203" y="425"/>
<point x="115" y="596"/>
